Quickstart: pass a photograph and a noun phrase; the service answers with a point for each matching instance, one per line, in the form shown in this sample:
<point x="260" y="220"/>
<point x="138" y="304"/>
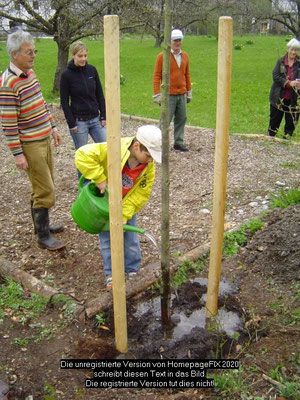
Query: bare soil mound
<point x="276" y="249"/>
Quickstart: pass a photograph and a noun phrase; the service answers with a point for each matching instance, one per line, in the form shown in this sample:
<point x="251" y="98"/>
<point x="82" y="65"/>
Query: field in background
<point x="251" y="77"/>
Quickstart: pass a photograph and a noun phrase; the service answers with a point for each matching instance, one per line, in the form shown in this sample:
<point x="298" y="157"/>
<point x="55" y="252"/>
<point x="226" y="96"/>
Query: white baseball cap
<point x="176" y="34"/>
<point x="150" y="137"/>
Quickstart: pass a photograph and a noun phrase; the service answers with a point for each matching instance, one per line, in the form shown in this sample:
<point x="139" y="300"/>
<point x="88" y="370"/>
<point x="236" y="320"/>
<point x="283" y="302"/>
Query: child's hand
<point x="102" y="186"/>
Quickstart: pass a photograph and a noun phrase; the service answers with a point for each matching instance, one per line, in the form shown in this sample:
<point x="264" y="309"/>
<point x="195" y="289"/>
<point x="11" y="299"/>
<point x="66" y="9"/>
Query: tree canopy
<point x="70" y="20"/>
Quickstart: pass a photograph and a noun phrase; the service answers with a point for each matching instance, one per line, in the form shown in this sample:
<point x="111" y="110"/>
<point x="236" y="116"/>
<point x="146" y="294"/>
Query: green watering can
<point x="91" y="209"/>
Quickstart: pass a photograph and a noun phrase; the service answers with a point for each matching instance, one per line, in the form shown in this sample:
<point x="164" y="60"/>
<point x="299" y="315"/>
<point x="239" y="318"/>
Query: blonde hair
<point x="293" y="43"/>
<point x="77" y="47"/>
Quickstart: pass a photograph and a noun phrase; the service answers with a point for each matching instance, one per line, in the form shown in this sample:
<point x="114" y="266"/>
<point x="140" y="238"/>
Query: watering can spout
<point x="130" y="228"/>
<point x="80" y="184"/>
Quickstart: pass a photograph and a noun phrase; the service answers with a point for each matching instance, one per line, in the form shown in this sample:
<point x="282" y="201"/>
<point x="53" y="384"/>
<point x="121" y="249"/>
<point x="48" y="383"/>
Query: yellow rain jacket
<point x="91" y="161"/>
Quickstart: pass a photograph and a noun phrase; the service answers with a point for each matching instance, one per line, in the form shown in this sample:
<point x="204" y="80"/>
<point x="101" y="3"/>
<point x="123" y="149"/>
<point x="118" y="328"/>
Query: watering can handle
<point x="133" y="229"/>
<point x="80" y="183"/>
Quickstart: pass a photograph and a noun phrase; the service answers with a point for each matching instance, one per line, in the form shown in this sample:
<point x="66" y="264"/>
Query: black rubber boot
<point x="52" y="229"/>
<point x="41" y="221"/>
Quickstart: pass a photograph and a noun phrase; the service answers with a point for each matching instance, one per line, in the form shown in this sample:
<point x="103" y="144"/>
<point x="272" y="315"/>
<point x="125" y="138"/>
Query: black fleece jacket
<point x="82" y="86"/>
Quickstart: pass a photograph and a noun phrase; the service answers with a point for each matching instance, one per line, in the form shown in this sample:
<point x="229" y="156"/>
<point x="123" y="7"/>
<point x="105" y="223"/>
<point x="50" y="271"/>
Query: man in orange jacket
<point x="180" y="86"/>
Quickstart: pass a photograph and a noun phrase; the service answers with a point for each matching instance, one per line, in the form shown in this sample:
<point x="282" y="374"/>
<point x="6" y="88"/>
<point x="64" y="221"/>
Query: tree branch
<point x="34" y="14"/>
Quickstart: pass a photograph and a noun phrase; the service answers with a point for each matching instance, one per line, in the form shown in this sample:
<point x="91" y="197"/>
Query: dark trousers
<point x="276" y="115"/>
<point x="177" y="109"/>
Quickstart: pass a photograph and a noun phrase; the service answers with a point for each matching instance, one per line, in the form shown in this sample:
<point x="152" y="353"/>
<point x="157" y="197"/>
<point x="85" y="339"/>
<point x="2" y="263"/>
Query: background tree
<point x="284" y="12"/>
<point x="70" y="20"/>
<point x="65" y="20"/>
<point x="185" y="14"/>
<point x="287" y="13"/>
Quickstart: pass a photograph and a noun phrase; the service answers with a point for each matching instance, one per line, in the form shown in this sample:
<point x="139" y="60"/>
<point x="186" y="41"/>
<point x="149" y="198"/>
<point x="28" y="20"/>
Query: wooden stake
<point x="220" y="169"/>
<point x="113" y="124"/>
<point x="165" y="179"/>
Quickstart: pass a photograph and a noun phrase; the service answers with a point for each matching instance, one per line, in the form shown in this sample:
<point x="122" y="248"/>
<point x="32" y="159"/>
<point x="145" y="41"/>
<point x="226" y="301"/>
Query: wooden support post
<point x="113" y="120"/>
<point x="165" y="179"/>
<point x="221" y="156"/>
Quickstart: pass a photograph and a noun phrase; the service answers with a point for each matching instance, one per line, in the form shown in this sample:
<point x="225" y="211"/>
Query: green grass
<point x="289" y="386"/>
<point x="291" y="164"/>
<point x="100" y="318"/>
<point x="285" y="199"/>
<point x="252" y="67"/>
<point x="188" y="267"/>
<point x="235" y="384"/>
<point x="232" y="241"/>
<point x="50" y="392"/>
<point x="26" y="308"/>
<point x="230" y="383"/>
<point x="23" y="305"/>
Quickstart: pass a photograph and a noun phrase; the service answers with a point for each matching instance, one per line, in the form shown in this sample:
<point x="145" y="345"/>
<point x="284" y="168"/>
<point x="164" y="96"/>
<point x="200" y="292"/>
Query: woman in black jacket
<point x="284" y="91"/>
<point x="82" y="98"/>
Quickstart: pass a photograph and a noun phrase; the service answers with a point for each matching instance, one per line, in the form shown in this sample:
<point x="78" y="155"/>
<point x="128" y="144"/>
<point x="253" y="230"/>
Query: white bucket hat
<point x="150" y="137"/>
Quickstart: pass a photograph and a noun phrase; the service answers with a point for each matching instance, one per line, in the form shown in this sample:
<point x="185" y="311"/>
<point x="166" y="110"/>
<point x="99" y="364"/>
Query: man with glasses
<point x="28" y="125"/>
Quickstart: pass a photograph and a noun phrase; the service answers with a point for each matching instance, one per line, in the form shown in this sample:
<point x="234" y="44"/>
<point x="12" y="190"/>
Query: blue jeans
<point x="84" y="128"/>
<point x="132" y="251"/>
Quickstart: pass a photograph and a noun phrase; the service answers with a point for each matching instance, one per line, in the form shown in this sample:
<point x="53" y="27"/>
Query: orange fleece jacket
<point x="180" y="81"/>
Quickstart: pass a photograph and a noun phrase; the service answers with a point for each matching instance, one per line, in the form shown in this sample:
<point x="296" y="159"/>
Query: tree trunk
<point x="62" y="61"/>
<point x="297" y="34"/>
<point x="31" y="283"/>
<point x="158" y="41"/>
<point x="133" y="287"/>
<point x="165" y="224"/>
<point x="26" y="280"/>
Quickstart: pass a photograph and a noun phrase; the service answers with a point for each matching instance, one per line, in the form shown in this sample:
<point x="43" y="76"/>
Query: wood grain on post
<point x="220" y="168"/>
<point x="113" y="126"/>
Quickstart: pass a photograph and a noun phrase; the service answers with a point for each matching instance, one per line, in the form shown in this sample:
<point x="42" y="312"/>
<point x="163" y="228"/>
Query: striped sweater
<point x="24" y="113"/>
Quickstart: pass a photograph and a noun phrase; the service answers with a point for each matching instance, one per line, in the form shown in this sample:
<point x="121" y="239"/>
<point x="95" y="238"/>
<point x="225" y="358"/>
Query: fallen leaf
<point x="104" y="327"/>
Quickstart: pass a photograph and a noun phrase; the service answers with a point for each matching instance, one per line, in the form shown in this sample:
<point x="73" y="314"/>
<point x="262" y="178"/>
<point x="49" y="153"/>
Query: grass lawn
<point x="251" y="77"/>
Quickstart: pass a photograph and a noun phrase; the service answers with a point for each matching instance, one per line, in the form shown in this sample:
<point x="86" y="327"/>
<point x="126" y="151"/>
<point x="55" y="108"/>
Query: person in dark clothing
<point x="82" y="98"/>
<point x="284" y="91"/>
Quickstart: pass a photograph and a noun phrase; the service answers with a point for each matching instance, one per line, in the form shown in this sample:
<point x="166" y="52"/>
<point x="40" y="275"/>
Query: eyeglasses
<point x="31" y="52"/>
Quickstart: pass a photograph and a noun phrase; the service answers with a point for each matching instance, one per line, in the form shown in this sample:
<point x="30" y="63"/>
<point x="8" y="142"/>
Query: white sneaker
<point x="109" y="283"/>
<point x="131" y="275"/>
